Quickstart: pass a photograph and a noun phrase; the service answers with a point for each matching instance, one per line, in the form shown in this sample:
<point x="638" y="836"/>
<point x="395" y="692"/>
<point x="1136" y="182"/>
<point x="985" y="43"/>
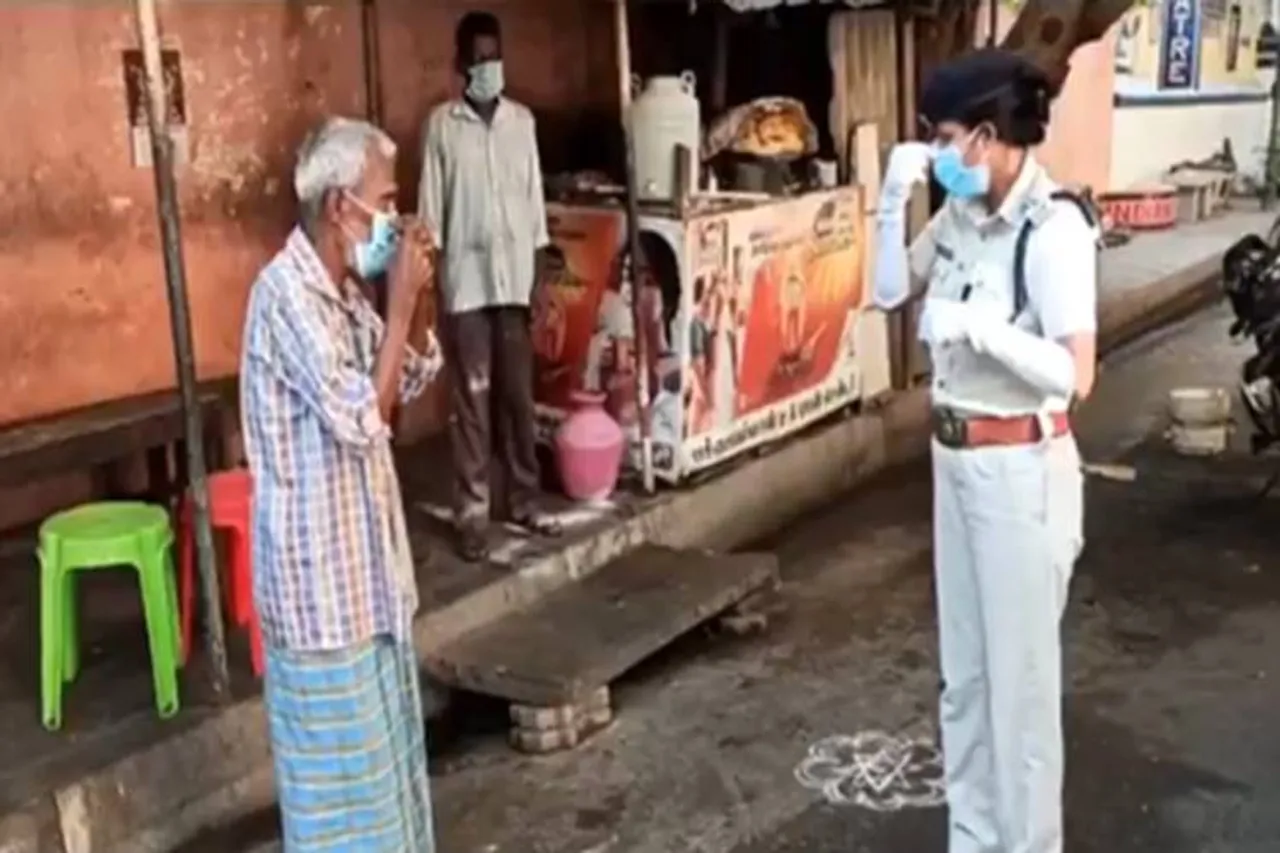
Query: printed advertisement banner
<point x="777" y="293"/>
<point x="748" y="319"/>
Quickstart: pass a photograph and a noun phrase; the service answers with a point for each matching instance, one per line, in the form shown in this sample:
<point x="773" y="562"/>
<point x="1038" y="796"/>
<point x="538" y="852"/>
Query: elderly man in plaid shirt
<point x="333" y="576"/>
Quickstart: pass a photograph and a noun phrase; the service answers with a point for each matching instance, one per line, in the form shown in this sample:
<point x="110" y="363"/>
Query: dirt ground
<point x="1171" y="634"/>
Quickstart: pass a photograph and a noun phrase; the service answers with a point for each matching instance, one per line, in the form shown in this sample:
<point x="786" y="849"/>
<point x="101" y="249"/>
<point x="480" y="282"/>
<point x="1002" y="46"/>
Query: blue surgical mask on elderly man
<point x="485" y="81"/>
<point x="369" y="258"/>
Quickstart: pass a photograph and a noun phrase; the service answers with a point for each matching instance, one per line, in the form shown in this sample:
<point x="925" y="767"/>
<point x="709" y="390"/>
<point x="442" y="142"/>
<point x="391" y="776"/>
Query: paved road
<point x="1171" y="636"/>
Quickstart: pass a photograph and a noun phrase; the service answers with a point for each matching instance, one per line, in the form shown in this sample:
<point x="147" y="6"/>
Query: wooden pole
<point x="180" y="324"/>
<point x="622" y="35"/>
<point x="371" y="48"/>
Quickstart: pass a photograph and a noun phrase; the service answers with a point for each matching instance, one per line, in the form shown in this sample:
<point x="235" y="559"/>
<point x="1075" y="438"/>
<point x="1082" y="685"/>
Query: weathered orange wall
<point x="82" y="295"/>
<point x="83" y="302"/>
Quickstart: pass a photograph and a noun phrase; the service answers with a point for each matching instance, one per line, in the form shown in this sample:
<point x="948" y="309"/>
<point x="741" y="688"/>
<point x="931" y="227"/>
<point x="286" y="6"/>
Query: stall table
<point x="754" y="314"/>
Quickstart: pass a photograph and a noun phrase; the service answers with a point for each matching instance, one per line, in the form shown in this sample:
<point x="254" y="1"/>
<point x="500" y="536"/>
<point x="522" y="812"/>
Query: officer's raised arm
<point x="892" y="284"/>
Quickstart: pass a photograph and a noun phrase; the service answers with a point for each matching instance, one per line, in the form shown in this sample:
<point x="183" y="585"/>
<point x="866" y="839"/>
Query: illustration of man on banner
<point x="551" y="321"/>
<point x="724" y="368"/>
<point x="611" y="354"/>
<point x="792" y="302"/>
<point x="666" y="415"/>
<point x="739" y="300"/>
<point x="711" y="350"/>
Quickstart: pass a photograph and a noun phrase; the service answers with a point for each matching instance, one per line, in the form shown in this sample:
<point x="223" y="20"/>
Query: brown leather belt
<point x="958" y="431"/>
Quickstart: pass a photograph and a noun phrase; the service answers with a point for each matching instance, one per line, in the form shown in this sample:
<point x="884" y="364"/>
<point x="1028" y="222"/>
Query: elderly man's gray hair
<point x="332" y="157"/>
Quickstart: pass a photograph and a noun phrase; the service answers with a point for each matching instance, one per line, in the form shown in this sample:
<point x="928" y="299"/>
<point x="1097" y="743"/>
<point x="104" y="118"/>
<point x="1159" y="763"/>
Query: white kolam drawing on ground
<point x="875" y="770"/>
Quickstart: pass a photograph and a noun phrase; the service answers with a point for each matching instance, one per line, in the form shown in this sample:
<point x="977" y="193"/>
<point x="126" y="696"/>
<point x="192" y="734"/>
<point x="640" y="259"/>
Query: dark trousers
<point x="489" y="356"/>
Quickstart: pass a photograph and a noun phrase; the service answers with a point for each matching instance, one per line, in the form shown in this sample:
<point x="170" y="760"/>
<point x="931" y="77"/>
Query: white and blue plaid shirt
<point x="331" y="562"/>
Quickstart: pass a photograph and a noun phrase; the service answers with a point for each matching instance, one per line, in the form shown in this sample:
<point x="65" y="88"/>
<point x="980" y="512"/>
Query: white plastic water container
<point x="664" y="115"/>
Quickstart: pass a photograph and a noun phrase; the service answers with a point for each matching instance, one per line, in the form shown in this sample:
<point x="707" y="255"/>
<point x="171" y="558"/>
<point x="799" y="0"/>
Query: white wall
<point x="1148" y="139"/>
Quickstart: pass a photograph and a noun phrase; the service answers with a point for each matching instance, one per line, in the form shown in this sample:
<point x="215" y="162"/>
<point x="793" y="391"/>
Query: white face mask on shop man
<point x="485" y="81"/>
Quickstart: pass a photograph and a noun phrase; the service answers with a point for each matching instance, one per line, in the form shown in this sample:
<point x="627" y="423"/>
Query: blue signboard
<point x="1180" y="45"/>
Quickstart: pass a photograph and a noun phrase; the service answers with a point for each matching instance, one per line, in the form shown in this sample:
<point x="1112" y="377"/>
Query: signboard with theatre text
<point x="1180" y="45"/>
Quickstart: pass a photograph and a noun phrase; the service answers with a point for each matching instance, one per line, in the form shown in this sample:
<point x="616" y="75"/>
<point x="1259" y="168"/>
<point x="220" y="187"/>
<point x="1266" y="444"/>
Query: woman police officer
<point x="1010" y="268"/>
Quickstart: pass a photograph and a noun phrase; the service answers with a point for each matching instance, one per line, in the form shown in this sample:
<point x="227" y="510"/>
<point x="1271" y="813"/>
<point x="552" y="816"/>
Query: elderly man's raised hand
<point x="411" y="272"/>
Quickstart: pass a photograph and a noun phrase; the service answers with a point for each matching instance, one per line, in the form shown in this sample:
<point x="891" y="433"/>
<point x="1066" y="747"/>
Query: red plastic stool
<point x="230" y="501"/>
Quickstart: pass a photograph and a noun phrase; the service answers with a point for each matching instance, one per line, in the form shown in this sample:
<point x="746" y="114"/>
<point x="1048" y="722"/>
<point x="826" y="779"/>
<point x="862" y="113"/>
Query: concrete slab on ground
<point x="584" y="635"/>
<point x="214" y="766"/>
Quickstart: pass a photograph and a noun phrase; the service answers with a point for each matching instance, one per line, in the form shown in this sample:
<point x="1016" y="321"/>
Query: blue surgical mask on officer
<point x="370" y="257"/>
<point x="956" y="176"/>
<point x="485" y="81"/>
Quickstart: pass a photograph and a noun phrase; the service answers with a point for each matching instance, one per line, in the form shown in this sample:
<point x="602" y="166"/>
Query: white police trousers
<point x="1008" y="526"/>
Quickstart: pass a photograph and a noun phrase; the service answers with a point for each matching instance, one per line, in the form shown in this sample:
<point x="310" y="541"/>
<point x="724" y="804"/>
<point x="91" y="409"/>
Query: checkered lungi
<point x="350" y="749"/>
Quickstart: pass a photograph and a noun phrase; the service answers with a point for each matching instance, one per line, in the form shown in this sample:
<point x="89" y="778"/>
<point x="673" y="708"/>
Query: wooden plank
<point x="867" y="165"/>
<point x="583" y="636"/>
<point x="908" y="126"/>
<point x="863" y="57"/>
<point x="100" y="434"/>
<point x="838" y="117"/>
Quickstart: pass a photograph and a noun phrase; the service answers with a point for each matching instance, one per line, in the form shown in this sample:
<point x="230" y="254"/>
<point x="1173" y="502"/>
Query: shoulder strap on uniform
<point x="1024" y="237"/>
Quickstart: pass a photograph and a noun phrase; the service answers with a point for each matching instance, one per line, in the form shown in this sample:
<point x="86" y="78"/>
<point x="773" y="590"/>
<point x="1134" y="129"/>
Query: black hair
<point x="472" y="26"/>
<point x="660" y="259"/>
<point x="670" y="381"/>
<point x="993" y="87"/>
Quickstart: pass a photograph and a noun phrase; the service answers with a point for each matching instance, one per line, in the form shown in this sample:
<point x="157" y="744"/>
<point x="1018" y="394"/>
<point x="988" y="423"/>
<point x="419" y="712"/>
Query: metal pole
<point x="180" y="322"/>
<point x="641" y="349"/>
<point x="1272" y="174"/>
<point x="372" y="61"/>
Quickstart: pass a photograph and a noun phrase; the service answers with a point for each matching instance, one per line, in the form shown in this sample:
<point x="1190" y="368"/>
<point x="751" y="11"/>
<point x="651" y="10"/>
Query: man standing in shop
<point x="481" y="196"/>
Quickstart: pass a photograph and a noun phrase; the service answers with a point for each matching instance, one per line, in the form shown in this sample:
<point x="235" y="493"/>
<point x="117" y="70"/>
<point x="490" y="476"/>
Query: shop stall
<point x="752" y="316"/>
<point x="747" y="317"/>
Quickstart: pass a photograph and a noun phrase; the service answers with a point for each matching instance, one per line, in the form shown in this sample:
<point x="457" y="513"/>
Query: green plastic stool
<point x="97" y="536"/>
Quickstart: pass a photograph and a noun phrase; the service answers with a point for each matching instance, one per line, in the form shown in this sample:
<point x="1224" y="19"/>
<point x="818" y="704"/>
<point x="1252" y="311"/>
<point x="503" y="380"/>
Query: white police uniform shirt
<point x="967" y="253"/>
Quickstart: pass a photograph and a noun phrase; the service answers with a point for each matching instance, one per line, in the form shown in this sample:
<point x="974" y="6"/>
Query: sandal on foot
<point x="473" y="546"/>
<point x="538" y="524"/>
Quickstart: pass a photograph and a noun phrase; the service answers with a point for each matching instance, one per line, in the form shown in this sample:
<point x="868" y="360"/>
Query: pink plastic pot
<point x="589" y="447"/>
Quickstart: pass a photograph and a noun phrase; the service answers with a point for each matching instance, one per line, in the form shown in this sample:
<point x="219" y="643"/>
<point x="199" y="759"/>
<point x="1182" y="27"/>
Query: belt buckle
<point x="950" y="429"/>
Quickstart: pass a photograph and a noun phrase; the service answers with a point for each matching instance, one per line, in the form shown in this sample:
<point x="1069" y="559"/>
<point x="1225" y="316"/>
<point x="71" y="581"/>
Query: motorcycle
<point x="1251" y="282"/>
